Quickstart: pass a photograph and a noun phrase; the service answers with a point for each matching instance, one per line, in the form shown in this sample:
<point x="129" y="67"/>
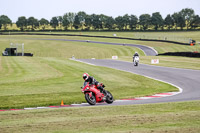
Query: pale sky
<point x="51" y="8"/>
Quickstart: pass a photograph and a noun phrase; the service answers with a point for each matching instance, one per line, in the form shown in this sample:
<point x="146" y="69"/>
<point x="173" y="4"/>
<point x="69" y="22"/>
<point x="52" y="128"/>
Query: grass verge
<point x="180" y="117"/>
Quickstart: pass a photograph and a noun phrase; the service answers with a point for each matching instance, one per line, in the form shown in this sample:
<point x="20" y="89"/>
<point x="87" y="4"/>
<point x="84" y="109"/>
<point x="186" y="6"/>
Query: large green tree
<point x="33" y="22"/>
<point x="109" y="23"/>
<point x="188" y="15"/>
<point x="54" y="22"/>
<point x="145" y="21"/>
<point x="22" y="23"/>
<point x="76" y="22"/>
<point x="102" y="19"/>
<point x="81" y="18"/>
<point x="157" y="20"/>
<point x="60" y="20"/>
<point x="70" y="18"/>
<point x="195" y="23"/>
<point x="126" y="20"/>
<point x="96" y="21"/>
<point x="88" y="22"/>
<point x="179" y="20"/>
<point x="133" y="22"/>
<point x="169" y="21"/>
<point x="65" y="21"/>
<point x="120" y="22"/>
<point x="43" y="22"/>
<point x="4" y="21"/>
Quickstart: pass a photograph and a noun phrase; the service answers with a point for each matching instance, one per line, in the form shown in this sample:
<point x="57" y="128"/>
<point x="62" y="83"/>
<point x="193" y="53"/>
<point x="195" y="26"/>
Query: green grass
<point x="43" y="81"/>
<point x="180" y="117"/>
<point x="49" y="77"/>
<point x="54" y="48"/>
<point x="180" y="36"/>
<point x="44" y="48"/>
<point x="161" y="47"/>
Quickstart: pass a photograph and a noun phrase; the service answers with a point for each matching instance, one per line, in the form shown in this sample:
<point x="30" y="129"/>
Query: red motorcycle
<point x="93" y="95"/>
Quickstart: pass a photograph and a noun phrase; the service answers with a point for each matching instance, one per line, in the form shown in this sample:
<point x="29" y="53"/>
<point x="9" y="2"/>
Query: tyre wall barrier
<point x="185" y="54"/>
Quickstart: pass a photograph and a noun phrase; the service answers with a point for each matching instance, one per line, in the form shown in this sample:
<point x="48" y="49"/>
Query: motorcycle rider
<point x="92" y="81"/>
<point x="136" y="54"/>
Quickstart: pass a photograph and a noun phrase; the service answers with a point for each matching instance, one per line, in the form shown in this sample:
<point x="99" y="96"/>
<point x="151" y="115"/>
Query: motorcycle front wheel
<point x="91" y="100"/>
<point x="109" y="98"/>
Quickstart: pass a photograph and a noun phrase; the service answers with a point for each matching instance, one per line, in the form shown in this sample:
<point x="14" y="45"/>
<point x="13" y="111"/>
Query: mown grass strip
<point x="181" y="117"/>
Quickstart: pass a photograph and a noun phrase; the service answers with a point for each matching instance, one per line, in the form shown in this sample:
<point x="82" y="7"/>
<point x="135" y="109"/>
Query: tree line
<point x="186" y="18"/>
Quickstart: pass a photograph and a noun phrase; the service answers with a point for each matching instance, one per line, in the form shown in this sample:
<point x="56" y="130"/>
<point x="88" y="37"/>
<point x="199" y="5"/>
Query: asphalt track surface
<point x="188" y="81"/>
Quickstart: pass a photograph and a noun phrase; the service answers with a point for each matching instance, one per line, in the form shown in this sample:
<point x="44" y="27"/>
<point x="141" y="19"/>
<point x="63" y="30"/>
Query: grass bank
<point x="56" y="48"/>
<point x="180" y="36"/>
<point x="44" y="81"/>
<point x="180" y="117"/>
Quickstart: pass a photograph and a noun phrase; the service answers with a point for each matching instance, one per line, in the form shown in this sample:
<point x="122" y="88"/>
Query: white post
<point x="22" y="49"/>
<point x="17" y="48"/>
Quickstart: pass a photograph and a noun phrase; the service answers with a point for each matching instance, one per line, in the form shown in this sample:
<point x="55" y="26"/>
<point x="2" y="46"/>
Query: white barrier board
<point x="114" y="57"/>
<point x="155" y="61"/>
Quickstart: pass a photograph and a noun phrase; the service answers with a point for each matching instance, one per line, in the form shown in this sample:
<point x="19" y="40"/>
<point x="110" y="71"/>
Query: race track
<point x="187" y="80"/>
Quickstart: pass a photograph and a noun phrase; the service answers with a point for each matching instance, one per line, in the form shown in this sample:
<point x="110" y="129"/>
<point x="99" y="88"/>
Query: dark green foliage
<point x="43" y="22"/>
<point x="184" y="19"/>
<point x="54" y="22"/>
<point x="145" y="21"/>
<point x="4" y="20"/>
<point x="157" y="20"/>
<point x="22" y="23"/>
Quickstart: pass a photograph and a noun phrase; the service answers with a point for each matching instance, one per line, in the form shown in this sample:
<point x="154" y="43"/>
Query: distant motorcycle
<point x="136" y="61"/>
<point x="93" y="95"/>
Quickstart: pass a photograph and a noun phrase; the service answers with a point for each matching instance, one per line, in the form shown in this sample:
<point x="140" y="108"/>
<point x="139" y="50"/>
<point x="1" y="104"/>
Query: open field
<point x="183" y="117"/>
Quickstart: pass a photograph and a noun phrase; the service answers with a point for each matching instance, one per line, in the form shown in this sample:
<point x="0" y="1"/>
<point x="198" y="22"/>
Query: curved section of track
<point x="188" y="80"/>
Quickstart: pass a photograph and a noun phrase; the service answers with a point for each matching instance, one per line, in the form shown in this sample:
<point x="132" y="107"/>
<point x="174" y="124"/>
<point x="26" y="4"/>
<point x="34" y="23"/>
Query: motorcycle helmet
<point x="85" y="76"/>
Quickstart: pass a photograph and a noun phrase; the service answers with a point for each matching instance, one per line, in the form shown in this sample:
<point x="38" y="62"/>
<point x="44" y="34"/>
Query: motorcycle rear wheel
<point x="91" y="100"/>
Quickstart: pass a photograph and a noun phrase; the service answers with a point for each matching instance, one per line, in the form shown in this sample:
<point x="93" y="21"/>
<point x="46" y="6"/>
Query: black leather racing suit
<point x="92" y="81"/>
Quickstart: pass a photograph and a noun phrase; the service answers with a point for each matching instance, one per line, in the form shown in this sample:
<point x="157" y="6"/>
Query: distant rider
<point x="92" y="81"/>
<point x="136" y="54"/>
